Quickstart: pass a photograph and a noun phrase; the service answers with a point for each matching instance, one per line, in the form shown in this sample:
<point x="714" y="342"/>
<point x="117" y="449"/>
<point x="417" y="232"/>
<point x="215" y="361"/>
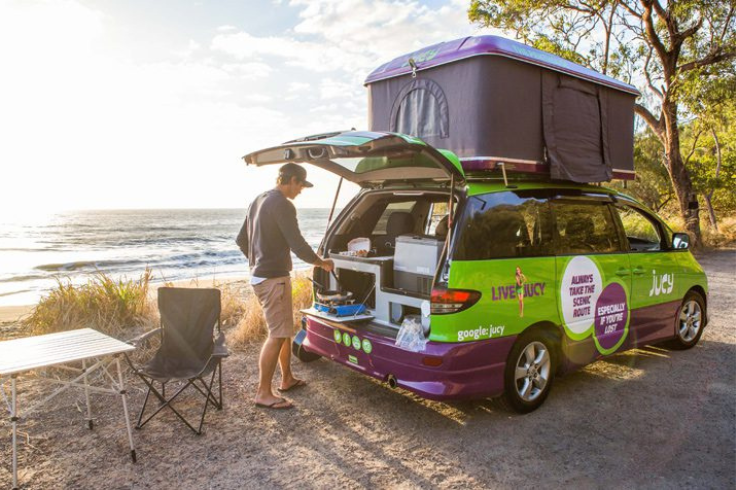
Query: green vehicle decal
<point x="588" y="300"/>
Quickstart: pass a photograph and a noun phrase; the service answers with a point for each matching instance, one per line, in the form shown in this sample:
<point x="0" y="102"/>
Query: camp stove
<point x="340" y="309"/>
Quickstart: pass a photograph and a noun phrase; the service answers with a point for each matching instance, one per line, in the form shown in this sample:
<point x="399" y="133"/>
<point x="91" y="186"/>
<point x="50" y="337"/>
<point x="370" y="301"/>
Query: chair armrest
<point x="220" y="349"/>
<point x="141" y="339"/>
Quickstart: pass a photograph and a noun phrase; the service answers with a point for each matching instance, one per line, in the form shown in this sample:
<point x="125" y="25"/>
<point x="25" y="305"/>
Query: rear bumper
<point x="466" y="370"/>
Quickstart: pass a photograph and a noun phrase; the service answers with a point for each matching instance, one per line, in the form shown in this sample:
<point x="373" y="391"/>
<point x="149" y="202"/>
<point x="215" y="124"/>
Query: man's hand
<point x="326" y="264"/>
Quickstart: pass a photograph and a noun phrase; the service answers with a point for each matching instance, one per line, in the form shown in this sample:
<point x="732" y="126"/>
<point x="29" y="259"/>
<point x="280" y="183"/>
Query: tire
<point x="689" y="322"/>
<point x="529" y="372"/>
<point x="298" y="349"/>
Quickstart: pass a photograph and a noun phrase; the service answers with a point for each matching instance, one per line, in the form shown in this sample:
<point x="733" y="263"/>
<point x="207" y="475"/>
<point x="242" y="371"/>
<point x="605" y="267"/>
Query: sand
<point x="12" y="314"/>
<point x="650" y="418"/>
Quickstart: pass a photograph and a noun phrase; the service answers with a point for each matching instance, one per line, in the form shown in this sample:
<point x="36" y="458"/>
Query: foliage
<point x="671" y="50"/>
<point x="112" y="307"/>
<point x="652" y="185"/>
<point x="121" y="308"/>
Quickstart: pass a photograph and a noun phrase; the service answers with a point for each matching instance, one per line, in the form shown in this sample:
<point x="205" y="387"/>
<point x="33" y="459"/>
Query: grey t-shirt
<point x="269" y="232"/>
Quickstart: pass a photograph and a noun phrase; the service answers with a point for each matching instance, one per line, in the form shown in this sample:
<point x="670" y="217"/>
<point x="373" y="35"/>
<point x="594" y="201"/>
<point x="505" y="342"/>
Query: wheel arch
<point x="554" y="333"/>
<point x="701" y="291"/>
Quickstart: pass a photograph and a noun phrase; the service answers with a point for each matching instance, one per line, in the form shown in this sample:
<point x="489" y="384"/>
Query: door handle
<point x="638" y="271"/>
<point x="623" y="272"/>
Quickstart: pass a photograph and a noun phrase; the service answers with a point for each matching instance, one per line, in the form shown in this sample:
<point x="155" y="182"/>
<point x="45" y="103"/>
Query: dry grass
<point x="112" y="307"/>
<point x="726" y="234"/>
<point x="252" y="325"/>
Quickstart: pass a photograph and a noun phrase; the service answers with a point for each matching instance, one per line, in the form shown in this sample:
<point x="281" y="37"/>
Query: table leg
<point x="14" y="423"/>
<point x="86" y="395"/>
<point x="125" y="410"/>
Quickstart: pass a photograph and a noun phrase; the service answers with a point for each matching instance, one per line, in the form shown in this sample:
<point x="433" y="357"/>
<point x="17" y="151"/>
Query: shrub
<point x="725" y="236"/>
<point x="112" y="307"/>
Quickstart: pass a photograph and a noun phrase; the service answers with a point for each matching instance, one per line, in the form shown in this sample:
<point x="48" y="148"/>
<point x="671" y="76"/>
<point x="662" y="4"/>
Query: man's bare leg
<point x="287" y="377"/>
<point x="267" y="366"/>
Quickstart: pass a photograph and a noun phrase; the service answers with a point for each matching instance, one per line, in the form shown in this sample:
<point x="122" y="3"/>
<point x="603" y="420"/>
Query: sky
<point x="114" y="104"/>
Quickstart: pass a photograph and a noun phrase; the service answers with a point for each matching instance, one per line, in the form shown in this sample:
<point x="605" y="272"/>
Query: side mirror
<point x="680" y="240"/>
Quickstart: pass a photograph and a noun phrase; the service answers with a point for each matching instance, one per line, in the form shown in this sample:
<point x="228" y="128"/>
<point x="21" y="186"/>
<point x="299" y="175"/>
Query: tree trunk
<point x="686" y="197"/>
<point x="711" y="212"/>
<point x="709" y="196"/>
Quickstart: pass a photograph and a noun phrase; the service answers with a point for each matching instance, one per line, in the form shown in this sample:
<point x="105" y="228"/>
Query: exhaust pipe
<point x="392" y="383"/>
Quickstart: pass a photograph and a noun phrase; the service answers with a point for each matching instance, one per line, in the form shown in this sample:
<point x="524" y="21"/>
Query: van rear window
<point x="502" y="225"/>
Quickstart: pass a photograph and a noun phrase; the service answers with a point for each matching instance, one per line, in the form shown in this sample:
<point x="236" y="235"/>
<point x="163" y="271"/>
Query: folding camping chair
<point x="189" y="351"/>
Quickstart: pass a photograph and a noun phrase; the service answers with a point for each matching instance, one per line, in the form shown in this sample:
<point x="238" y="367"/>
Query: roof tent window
<point x="420" y="109"/>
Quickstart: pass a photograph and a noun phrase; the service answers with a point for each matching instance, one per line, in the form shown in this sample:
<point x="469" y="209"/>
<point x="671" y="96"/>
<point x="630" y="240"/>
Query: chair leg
<point x="143" y="409"/>
<point x="207" y="399"/>
<point x="205" y="390"/>
<point x="219" y="382"/>
<point x="151" y="389"/>
<point x="170" y="406"/>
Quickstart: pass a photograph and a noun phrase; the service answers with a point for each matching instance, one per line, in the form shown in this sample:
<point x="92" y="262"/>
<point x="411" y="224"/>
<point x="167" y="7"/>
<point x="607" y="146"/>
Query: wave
<point x="87" y="265"/>
<point x="189" y="260"/>
<point x="26" y="277"/>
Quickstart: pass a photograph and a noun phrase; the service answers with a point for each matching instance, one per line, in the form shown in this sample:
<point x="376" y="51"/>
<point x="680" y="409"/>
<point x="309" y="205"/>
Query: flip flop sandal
<point x="277" y="405"/>
<point x="299" y="383"/>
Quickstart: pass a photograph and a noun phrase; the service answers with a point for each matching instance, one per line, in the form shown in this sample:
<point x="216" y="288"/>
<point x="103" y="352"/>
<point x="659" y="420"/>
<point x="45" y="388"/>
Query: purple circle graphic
<point x="611" y="315"/>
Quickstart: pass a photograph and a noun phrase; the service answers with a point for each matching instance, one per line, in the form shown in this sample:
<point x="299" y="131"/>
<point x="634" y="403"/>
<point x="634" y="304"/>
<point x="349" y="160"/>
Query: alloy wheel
<point x="532" y="371"/>
<point x="690" y="320"/>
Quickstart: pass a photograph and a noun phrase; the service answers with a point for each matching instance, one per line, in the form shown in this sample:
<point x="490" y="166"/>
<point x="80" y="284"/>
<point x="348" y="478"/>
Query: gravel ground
<point x="649" y="418"/>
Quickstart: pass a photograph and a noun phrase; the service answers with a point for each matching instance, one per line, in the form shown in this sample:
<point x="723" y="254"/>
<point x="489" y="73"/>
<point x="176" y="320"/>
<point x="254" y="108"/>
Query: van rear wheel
<point x="529" y="372"/>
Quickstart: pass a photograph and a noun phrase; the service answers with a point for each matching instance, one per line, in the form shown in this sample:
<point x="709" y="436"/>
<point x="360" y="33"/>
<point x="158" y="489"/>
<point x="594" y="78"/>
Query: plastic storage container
<point x="415" y="261"/>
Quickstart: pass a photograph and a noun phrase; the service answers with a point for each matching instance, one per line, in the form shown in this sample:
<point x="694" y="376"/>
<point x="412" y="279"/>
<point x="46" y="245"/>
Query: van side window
<point x="641" y="231"/>
<point x="584" y="228"/>
<point x="438" y="213"/>
<point x="504" y="225"/>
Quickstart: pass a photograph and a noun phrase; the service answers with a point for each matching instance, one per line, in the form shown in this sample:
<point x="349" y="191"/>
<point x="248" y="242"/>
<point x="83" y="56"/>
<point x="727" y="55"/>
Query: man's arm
<point x="242" y="239"/>
<point x="289" y="227"/>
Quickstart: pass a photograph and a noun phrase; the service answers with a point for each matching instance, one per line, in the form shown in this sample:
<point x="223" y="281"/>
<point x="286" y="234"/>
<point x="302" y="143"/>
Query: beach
<point x="176" y="245"/>
<point x="650" y="417"/>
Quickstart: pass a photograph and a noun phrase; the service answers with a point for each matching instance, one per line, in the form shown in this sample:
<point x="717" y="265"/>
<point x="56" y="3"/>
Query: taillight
<point x="446" y="301"/>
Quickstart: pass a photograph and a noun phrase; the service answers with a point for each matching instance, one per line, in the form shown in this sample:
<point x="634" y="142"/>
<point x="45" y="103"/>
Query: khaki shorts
<point x="274" y="295"/>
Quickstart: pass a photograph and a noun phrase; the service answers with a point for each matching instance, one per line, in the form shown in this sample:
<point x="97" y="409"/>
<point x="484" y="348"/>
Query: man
<point x="268" y="235"/>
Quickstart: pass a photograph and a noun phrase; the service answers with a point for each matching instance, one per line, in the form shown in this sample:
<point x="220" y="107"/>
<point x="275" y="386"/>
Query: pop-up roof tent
<point x="490" y="100"/>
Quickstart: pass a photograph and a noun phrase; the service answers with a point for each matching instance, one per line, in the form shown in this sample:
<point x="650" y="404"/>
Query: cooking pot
<point x="334" y="296"/>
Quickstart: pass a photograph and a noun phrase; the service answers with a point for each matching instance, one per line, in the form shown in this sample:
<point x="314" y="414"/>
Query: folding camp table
<point x="93" y="349"/>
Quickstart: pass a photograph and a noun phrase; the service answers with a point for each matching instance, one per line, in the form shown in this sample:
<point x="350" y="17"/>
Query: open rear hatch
<point x="369" y="159"/>
<point x="366" y="158"/>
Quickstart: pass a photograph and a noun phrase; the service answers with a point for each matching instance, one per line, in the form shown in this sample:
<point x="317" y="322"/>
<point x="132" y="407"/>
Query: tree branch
<point x="652" y="33"/>
<point x="654" y="123"/>
<point x="691" y="31"/>
<point x="695" y="147"/>
<point x="630" y="9"/>
<point x="715" y="56"/>
<point x="648" y="76"/>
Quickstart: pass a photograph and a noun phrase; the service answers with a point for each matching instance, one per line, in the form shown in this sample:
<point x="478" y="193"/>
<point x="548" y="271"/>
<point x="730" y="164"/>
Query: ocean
<point x="177" y="244"/>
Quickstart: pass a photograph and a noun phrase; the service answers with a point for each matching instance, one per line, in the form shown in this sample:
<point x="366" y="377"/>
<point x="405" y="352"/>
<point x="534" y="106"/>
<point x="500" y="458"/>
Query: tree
<point x="710" y="137"/>
<point x="657" y="46"/>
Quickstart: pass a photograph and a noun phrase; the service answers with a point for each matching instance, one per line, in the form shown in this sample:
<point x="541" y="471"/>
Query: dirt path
<point x="646" y="418"/>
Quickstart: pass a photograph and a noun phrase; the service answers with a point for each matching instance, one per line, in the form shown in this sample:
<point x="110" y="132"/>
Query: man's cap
<point x="289" y="170"/>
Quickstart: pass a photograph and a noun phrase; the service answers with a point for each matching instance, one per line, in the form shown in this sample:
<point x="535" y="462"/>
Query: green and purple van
<point x="512" y="267"/>
<point x="530" y="279"/>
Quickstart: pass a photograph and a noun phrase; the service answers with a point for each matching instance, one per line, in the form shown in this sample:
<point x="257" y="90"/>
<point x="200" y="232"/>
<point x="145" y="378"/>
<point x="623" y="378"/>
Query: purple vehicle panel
<point x="467" y="370"/>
